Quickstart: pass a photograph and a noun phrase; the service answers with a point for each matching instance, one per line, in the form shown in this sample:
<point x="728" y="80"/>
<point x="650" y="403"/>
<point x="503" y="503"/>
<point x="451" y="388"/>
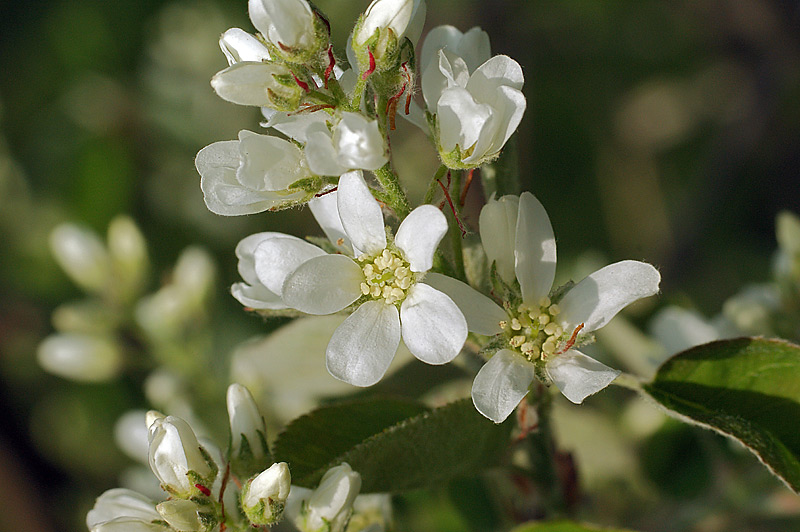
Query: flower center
<point x="532" y="330"/>
<point x="387" y="276"/>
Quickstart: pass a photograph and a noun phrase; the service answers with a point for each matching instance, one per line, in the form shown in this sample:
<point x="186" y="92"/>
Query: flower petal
<point x="501" y="384"/>
<point x="323" y="285"/>
<point x="534" y="250"/>
<point x="257" y="297"/>
<point x="579" y="376"/>
<point x="482" y="314"/>
<point x="245" y="252"/>
<point x="268" y="162"/>
<point x="362" y="347"/>
<point x="598" y="298"/>
<point x="460" y="118"/>
<point x="326" y="212"/>
<point x="361" y="214"/>
<point x="434" y="329"/>
<point x="498" y="228"/>
<point x="419" y="235"/>
<point x="238" y="46"/>
<point x="359" y="143"/>
<point x="280" y="255"/>
<point x="245" y="83"/>
<point x="320" y="151"/>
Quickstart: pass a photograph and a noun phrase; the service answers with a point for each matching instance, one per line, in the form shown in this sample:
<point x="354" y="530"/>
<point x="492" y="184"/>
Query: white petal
<point x="245" y="252"/>
<point x="294" y="126"/>
<point x="256" y="297"/>
<point x="326" y="212"/>
<point x="482" y="314"/>
<point x="280" y="255"/>
<point x="598" y="298"/>
<point x="579" y="376"/>
<point x="245" y="83"/>
<point x="238" y="46"/>
<point x="268" y="162"/>
<point x="498" y="228"/>
<point x="359" y="143"/>
<point x="419" y="236"/>
<point x="501" y="384"/>
<point x="320" y="151"/>
<point x="434" y="329"/>
<point x="323" y="285"/>
<point x="508" y="106"/>
<point x="460" y="118"/>
<point x="361" y="214"/>
<point x="534" y="250"/>
<point x="362" y="347"/>
<point x="497" y="71"/>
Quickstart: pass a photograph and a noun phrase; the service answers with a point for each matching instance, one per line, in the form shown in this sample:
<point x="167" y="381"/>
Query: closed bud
<point x="259" y="84"/>
<point x="249" y="452"/>
<point x="89" y="316"/>
<point x="81" y="254"/>
<point x="182" y="515"/>
<point x="182" y="466"/>
<point x="80" y="357"/>
<point x="239" y="46"/>
<point x="128" y="250"/>
<point x="264" y="497"/>
<point x="295" y="31"/>
<point x="328" y="507"/>
<point x="382" y="28"/>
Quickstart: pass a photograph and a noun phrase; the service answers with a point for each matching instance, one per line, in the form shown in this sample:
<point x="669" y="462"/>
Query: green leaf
<point x="414" y="452"/>
<point x="312" y="443"/>
<point x="748" y="389"/>
<point x="562" y="526"/>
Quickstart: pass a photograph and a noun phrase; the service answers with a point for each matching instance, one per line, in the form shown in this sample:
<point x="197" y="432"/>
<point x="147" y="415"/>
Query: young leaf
<point x="746" y="388"/>
<point x="426" y="449"/>
<point x="562" y="526"/>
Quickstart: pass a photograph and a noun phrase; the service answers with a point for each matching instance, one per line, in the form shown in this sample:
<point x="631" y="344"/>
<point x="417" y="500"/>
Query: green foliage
<point x="747" y="388"/>
<point x="395" y="445"/>
<point x="562" y="526"/>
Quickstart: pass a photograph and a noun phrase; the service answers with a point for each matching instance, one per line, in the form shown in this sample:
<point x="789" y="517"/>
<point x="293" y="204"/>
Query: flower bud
<point x="182" y="515"/>
<point x="328" y="507"/>
<point x="259" y="84"/>
<point x="382" y="28"/>
<point x="128" y="250"/>
<point x="120" y="503"/>
<point x="89" y="316"/>
<point x="249" y="449"/>
<point x="81" y="254"/>
<point x="264" y="497"/>
<point x="130" y="434"/>
<point x="292" y="27"/>
<point x="80" y="357"/>
<point x="179" y="462"/>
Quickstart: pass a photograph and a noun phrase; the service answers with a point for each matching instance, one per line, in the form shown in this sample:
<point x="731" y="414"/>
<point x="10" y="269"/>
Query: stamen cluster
<point x="532" y="330"/>
<point x="387" y="276"/>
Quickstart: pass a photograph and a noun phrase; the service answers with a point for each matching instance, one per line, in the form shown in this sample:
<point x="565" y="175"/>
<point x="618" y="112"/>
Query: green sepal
<point x="245" y="464"/>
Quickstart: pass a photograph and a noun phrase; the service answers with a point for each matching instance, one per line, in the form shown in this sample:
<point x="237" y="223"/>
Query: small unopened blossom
<point x="182" y="515"/>
<point x="82" y="256"/>
<point x="292" y="27"/>
<point x="120" y="506"/>
<point x="80" y="357"/>
<point x="248" y="432"/>
<point x="382" y="276"/>
<point x="327" y="508"/>
<point x="476" y="106"/>
<point x="263" y="498"/>
<point x="177" y="459"/>
<point x="253" y="174"/>
<point x="259" y="84"/>
<point x="518" y="238"/>
<point x="383" y="27"/>
<point x="355" y="143"/>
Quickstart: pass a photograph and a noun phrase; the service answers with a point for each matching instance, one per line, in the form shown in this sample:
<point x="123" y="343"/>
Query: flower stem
<point x="434" y="184"/>
<point x="394" y="197"/>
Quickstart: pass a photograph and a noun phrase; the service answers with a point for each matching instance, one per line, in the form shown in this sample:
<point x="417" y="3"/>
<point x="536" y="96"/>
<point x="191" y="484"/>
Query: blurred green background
<point x="660" y="131"/>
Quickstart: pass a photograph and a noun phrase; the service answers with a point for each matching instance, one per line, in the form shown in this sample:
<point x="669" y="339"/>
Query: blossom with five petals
<point x="380" y="276"/>
<point x="517" y="236"/>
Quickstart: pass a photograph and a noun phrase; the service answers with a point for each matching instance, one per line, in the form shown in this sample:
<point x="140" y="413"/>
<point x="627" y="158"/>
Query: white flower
<point x="82" y="255"/>
<point x="246" y="421"/>
<point x="80" y="357"/>
<point x="240" y="46"/>
<point x="120" y="505"/>
<point x="250" y="175"/>
<point x="260" y="84"/>
<point x="477" y="108"/>
<point x="263" y="498"/>
<point x="383" y="276"/>
<point x="328" y="507"/>
<point x="284" y="23"/>
<point x="517" y="236"/>
<point x="354" y="143"/>
<point x="404" y="17"/>
<point x="176" y="457"/>
<point x="182" y="515"/>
